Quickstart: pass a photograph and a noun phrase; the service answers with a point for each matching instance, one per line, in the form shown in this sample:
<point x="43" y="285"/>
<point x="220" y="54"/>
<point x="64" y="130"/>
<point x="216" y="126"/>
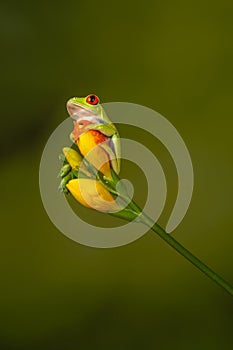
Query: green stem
<point x="187" y="254"/>
<point x="144" y="218"/>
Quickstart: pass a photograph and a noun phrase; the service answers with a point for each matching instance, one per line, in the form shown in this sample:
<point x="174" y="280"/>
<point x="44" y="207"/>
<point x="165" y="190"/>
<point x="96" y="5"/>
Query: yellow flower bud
<point x="92" y="194"/>
<point x="73" y="157"/>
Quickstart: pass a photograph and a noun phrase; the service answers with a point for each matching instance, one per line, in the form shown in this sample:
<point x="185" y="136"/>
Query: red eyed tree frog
<point x="93" y="127"/>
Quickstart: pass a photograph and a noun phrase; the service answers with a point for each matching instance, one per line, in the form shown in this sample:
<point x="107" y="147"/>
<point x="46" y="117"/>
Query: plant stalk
<point x="186" y="253"/>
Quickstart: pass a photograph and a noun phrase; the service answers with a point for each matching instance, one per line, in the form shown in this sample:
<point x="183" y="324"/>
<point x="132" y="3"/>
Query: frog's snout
<point x="76" y="111"/>
<point x="72" y="108"/>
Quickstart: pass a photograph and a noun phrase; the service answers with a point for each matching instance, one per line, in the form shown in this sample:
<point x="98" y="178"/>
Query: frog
<point x="92" y="126"/>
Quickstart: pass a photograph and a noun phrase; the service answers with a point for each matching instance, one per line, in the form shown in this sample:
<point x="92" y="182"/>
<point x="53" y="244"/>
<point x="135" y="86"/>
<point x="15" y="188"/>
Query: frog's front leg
<point x="113" y="146"/>
<point x="71" y="169"/>
<point x="71" y="161"/>
<point x="106" y="129"/>
<point x="66" y="175"/>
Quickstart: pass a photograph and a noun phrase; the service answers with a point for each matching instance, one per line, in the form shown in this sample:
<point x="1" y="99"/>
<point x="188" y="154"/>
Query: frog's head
<point x="88" y="106"/>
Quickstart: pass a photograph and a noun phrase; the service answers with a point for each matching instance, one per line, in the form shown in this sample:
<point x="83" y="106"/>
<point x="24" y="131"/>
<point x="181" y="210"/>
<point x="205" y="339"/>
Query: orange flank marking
<point x="89" y="141"/>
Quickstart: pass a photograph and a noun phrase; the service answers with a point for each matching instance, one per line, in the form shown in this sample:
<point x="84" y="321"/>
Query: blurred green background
<point x="175" y="57"/>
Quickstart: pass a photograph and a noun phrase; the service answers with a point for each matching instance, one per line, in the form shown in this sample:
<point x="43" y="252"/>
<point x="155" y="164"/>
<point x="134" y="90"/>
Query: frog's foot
<point x="65" y="180"/>
<point x="65" y="173"/>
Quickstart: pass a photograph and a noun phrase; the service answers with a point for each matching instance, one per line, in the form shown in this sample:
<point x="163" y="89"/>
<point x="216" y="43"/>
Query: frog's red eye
<point x="92" y="99"/>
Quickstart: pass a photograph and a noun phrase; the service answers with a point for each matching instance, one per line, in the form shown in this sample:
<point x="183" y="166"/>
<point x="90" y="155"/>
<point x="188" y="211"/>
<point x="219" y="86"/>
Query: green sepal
<point x="126" y="214"/>
<point x="79" y="174"/>
<point x="75" y="173"/>
<point x="115" y="177"/>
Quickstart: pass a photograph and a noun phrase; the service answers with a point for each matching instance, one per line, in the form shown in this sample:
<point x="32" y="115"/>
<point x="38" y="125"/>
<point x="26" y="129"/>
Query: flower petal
<point x="92" y="194"/>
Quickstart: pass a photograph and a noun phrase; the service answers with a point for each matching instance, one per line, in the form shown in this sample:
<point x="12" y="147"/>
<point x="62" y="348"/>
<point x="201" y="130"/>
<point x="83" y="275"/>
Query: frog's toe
<point x="66" y="168"/>
<point x="64" y="181"/>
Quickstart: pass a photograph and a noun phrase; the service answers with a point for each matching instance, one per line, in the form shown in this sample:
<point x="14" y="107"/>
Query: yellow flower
<point x="92" y="194"/>
<point x="73" y="157"/>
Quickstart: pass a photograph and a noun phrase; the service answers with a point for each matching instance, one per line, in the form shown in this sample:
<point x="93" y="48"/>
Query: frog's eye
<point x="92" y="99"/>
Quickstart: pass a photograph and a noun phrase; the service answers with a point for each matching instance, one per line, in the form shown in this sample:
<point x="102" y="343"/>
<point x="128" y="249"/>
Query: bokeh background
<point x="175" y="57"/>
